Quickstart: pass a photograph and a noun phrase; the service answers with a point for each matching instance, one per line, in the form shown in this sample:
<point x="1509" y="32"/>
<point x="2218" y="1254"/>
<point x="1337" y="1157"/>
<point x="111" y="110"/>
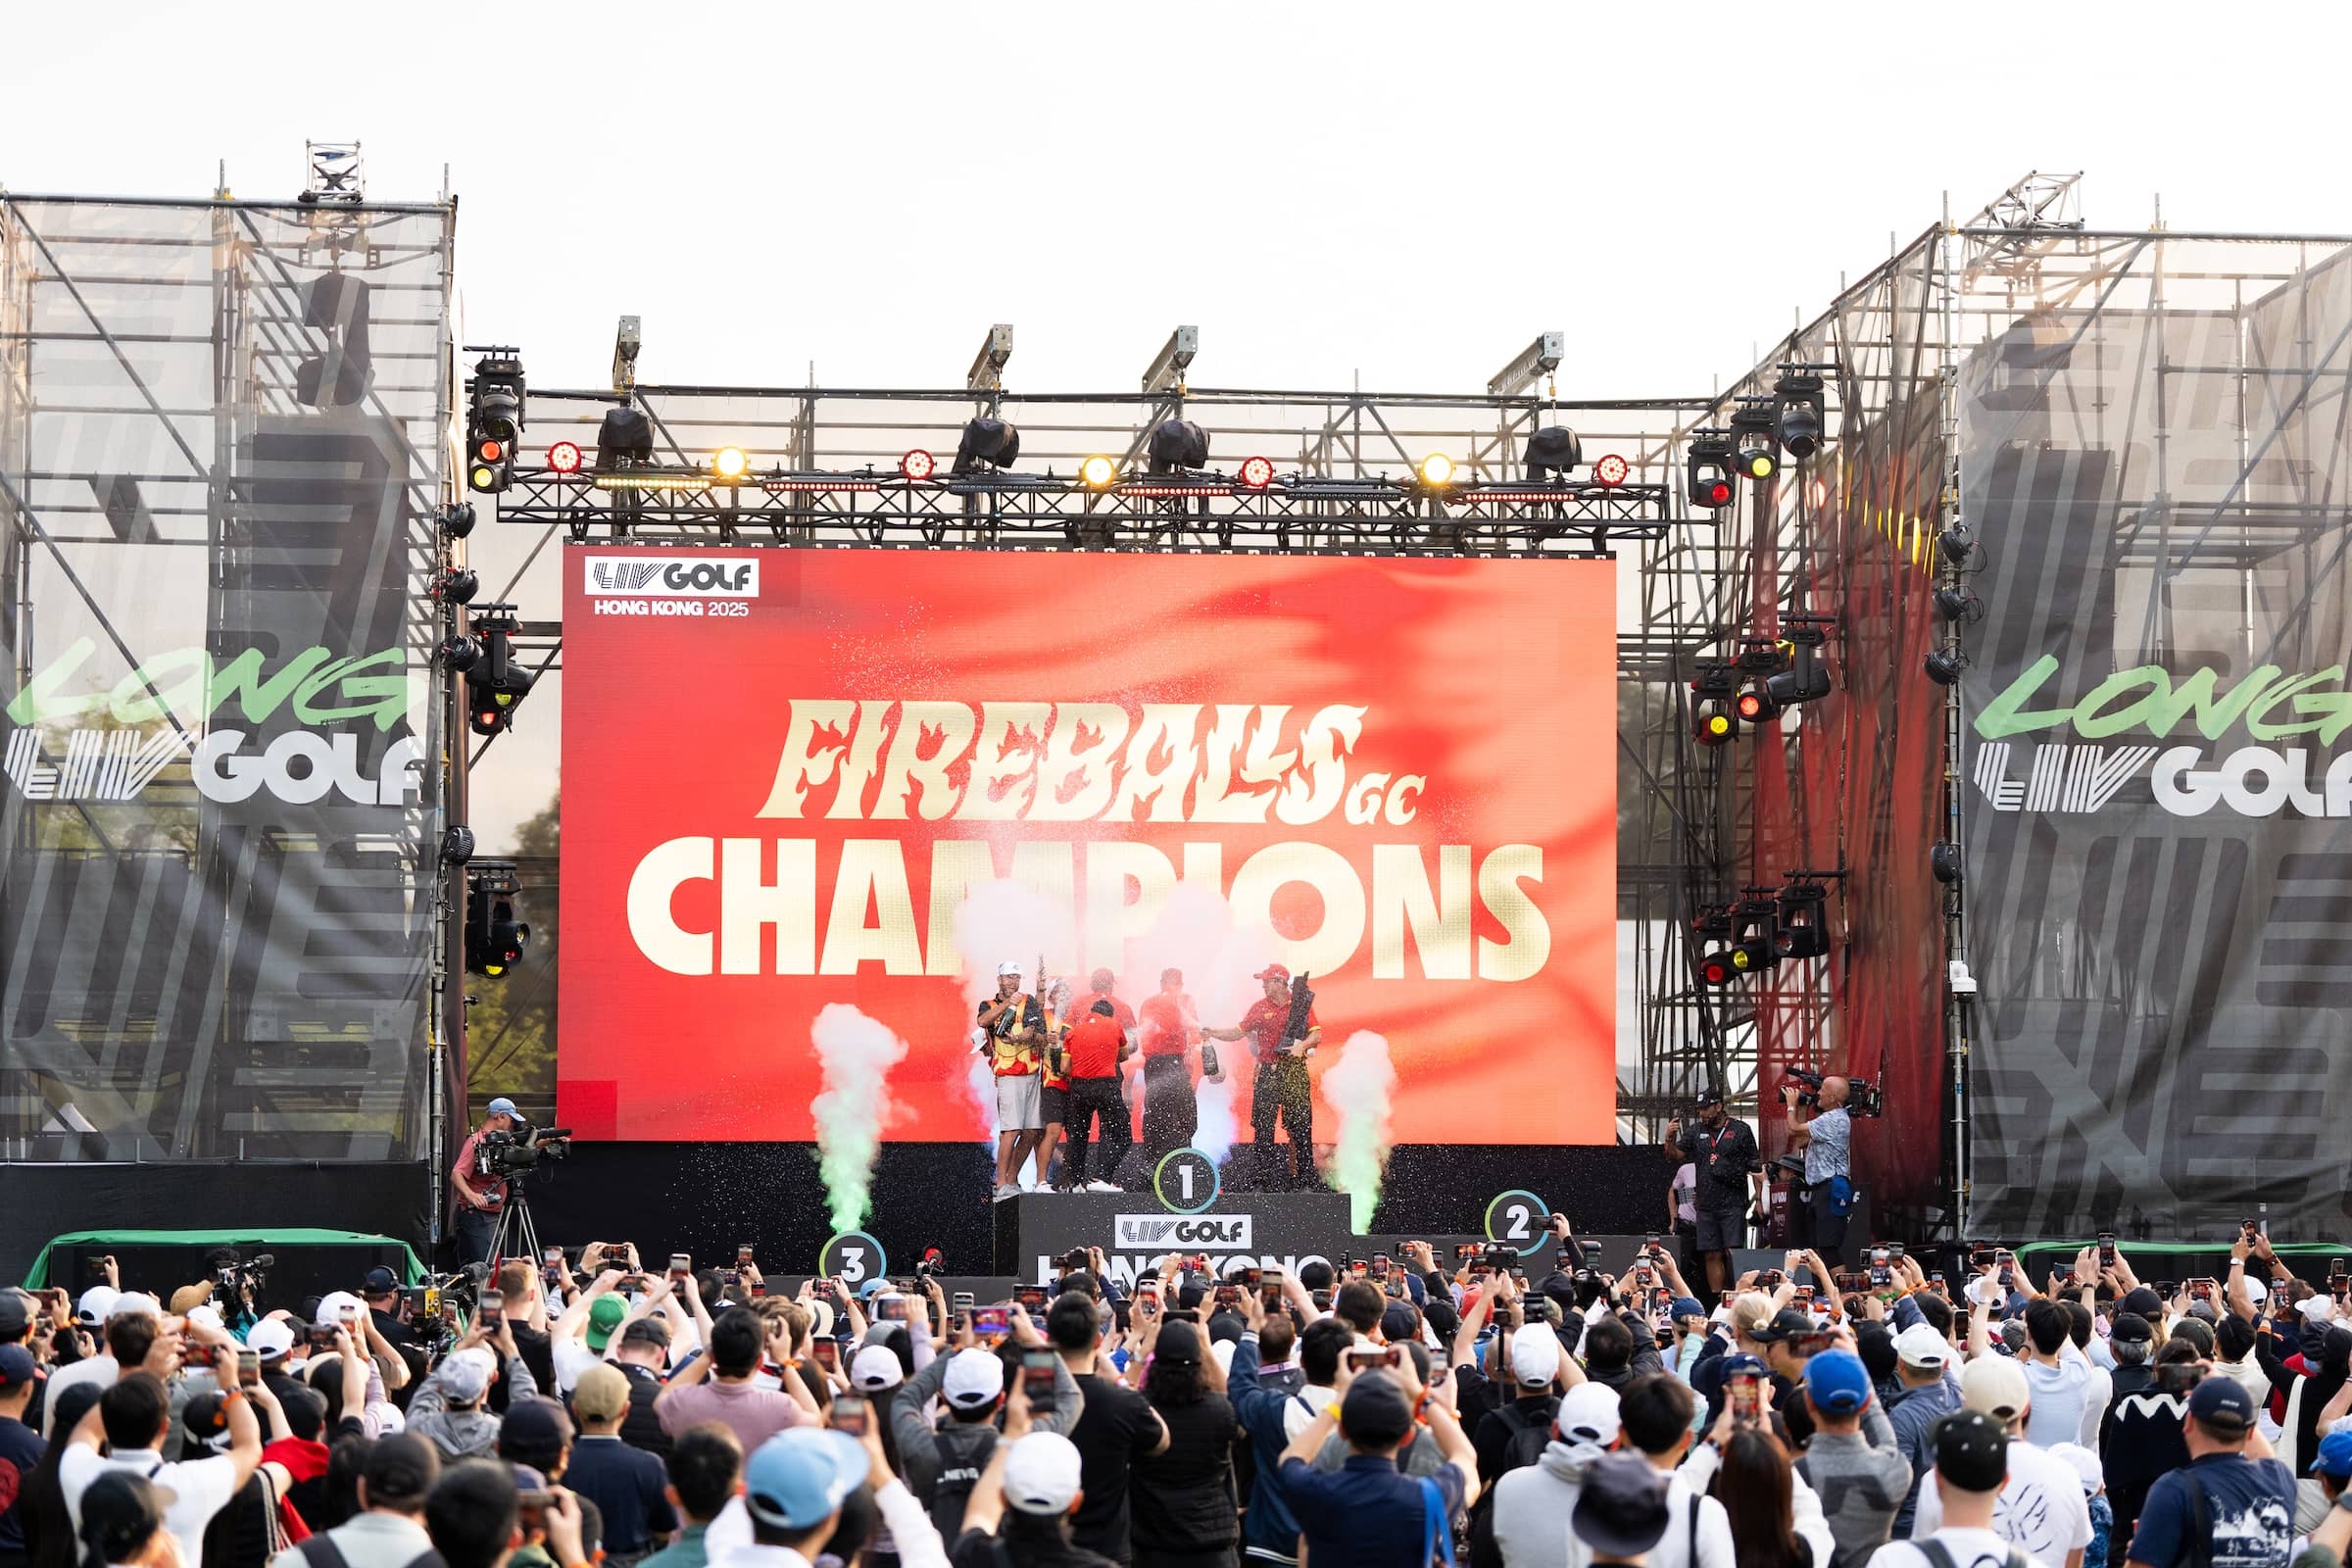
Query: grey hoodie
<point x="463" y="1434"/>
<point x="1532" y="1505"/>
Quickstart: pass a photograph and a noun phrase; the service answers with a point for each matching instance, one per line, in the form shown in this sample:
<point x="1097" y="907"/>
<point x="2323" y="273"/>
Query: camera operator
<point x="481" y="1199"/>
<point x="1826" y="1139"/>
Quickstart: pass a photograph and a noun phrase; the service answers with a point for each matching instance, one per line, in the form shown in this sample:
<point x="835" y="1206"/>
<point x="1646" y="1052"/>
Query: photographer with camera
<point x="480" y="1199"/>
<point x="1826" y="1139"/>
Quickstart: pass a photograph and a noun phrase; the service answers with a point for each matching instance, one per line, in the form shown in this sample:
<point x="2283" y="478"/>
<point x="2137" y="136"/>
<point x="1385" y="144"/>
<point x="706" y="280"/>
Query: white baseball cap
<point x="1996" y="1385"/>
<point x="1041" y="1474"/>
<point x="975" y="1377"/>
<point x="1920" y="1345"/>
<point x="97" y="1304"/>
<point x="876" y="1367"/>
<point x="1008" y="969"/>
<point x="1589" y="1414"/>
<point x="1536" y="1353"/>
<point x="269" y="1339"/>
<point x="331" y="1306"/>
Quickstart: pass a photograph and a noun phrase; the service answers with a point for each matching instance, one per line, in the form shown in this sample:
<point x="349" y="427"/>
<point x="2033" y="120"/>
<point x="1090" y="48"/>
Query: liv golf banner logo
<point x="2293" y="721"/>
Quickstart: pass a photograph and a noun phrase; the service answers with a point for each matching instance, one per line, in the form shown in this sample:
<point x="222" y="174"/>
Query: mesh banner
<point x="221" y="431"/>
<point x="2155" y="787"/>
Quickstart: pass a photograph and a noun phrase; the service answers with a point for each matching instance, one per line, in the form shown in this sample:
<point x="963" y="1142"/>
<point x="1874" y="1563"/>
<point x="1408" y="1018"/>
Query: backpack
<point x="1527" y="1439"/>
<point x="320" y="1551"/>
<point x="963" y="1452"/>
<point x="1939" y="1556"/>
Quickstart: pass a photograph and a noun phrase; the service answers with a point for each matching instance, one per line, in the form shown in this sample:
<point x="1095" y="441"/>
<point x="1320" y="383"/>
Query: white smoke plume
<point x="998" y="921"/>
<point x="1360" y="1086"/>
<point x="855" y="1054"/>
<point x="1195" y="931"/>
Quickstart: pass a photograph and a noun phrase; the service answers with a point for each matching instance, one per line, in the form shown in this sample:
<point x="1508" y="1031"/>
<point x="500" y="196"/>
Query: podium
<point x="1136" y="1231"/>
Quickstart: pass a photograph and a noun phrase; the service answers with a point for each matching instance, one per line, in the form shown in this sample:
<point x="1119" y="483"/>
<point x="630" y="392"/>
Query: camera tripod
<point x="514" y="1228"/>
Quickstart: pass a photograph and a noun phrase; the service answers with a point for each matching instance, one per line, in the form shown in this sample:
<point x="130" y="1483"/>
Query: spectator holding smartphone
<point x="721" y="1386"/>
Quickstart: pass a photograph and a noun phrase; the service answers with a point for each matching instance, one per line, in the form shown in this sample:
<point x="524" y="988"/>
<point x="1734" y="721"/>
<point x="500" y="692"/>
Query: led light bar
<point x="1152" y="487"/>
<point x="638" y="480"/>
<point x="819" y="486"/>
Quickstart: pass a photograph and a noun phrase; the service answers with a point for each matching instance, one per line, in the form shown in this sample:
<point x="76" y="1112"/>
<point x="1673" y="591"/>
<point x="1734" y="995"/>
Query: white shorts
<point x="1020" y="1107"/>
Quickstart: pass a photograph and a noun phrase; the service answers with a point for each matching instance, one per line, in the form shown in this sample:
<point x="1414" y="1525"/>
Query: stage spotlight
<point x="1714" y="715"/>
<point x="1437" y="470"/>
<point x="1799" y="931"/>
<point x="494" y="422"/>
<point x="1553" y="452"/>
<point x="1806" y="678"/>
<point x="918" y="465"/>
<point x="987" y="444"/>
<point x="1944" y="861"/>
<point x="563" y="457"/>
<point x="1756" y="930"/>
<point x="1178" y="446"/>
<point x="1756" y="454"/>
<point x="458" y="586"/>
<point x="729" y="463"/>
<point x="1257" y="472"/>
<point x="625" y="436"/>
<point x="1955" y="603"/>
<point x="495" y="935"/>
<point x="457" y="518"/>
<point x="496" y="684"/>
<point x="1944" y="664"/>
<point x="1098" y="473"/>
<point x="456" y="845"/>
<point x="1800" y="413"/>
<point x="1955" y="546"/>
<point x="1708" y="468"/>
<point x="1756" y="705"/>
<point x="1612" y="470"/>
<point x="1715" y="967"/>
<point x="462" y="654"/>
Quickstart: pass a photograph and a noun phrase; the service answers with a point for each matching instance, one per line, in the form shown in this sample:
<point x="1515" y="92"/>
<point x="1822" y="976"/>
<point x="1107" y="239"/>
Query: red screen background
<point x="1492" y="680"/>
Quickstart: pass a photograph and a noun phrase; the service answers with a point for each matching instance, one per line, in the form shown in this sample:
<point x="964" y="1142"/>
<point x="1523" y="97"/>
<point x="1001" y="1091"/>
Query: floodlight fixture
<point x="1707" y="468"/>
<point x="1944" y="861"/>
<point x="565" y="456"/>
<point x="1955" y="603"/>
<point x="1755" y="449"/>
<point x="1257" y="472"/>
<point x="1955" y="546"/>
<point x="1177" y="446"/>
<point x="1800" y="413"/>
<point x="1553" y="452"/>
<point x="1172" y="361"/>
<point x="918" y="465"/>
<point x="1944" y="664"/>
<point x="625" y="437"/>
<point x="1714" y="713"/>
<point x="988" y="445"/>
<point x="1611" y="470"/>
<point x="1529" y="366"/>
<point x="1436" y="471"/>
<point x="457" y="518"/>
<point x="729" y="463"/>
<point x="1098" y="473"/>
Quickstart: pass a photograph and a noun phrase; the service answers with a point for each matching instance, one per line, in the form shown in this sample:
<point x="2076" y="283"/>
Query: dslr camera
<point x="502" y="1155"/>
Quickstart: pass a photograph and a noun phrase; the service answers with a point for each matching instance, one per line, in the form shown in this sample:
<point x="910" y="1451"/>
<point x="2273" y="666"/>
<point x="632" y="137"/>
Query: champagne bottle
<point x="1209" y="1058"/>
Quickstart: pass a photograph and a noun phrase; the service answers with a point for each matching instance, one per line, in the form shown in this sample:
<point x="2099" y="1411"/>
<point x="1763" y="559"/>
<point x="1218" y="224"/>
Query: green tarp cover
<point x="244" y="1241"/>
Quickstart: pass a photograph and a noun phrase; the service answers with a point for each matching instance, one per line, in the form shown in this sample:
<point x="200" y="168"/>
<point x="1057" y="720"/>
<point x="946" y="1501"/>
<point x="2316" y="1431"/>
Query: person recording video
<point x="1826" y="1138"/>
<point x="481" y="1199"/>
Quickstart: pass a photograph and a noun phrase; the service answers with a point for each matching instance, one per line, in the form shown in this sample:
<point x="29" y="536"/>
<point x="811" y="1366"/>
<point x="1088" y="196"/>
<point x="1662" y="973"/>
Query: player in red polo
<point x="1167" y="1028"/>
<point x="1282" y="1088"/>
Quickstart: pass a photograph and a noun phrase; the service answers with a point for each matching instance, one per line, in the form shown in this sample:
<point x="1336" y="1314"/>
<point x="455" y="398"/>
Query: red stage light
<point x="490" y="450"/>
<point x="565" y="456"/>
<point x="1717" y="494"/>
<point x="918" y="465"/>
<point x="1257" y="472"/>
<point x="1751" y="707"/>
<point x="1611" y="470"/>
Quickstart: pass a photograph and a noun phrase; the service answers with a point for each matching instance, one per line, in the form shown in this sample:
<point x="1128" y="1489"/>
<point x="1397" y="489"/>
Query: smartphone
<point x="961" y="1301"/>
<point x="1771" y="1279"/>
<point x="1031" y="1297"/>
<point x="1804" y="1295"/>
<point x="1360" y="1360"/>
<point x="1037" y="1378"/>
<point x="1380" y="1265"/>
<point x="850" y="1414"/>
<point x="891" y="1309"/>
<point x="492" y="1302"/>
<point x="2252" y="1228"/>
<point x="1880" y="1254"/>
<point x="351" y="1314"/>
<point x="680" y="1265"/>
<point x="1747" y="1398"/>
<point x="1229" y="1295"/>
<point x="2335" y="1268"/>
<point x="1980" y="1257"/>
<point x="2106" y="1248"/>
<point x="2201" y="1290"/>
<point x="1592" y="1250"/>
<point x="1254" y="1276"/>
<point x="992" y="1322"/>
<point x="1121" y="1312"/>
<point x="1147" y="1305"/>
<point x="1358" y="1267"/>
<point x="1809" y="1344"/>
<point x="1881" y="1276"/>
<point x="198" y="1355"/>
<point x="1894" y="1250"/>
<point x="1936" y="1277"/>
<point x="530" y="1512"/>
<point x="1649" y="1242"/>
<point x="249" y="1369"/>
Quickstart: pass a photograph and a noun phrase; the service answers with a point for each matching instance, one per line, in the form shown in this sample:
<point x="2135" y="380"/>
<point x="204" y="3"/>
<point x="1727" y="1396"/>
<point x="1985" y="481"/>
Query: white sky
<point x="1406" y="191"/>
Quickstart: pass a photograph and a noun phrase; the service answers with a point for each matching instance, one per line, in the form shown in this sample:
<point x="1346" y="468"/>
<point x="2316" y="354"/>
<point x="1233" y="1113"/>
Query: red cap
<point x="1272" y="971"/>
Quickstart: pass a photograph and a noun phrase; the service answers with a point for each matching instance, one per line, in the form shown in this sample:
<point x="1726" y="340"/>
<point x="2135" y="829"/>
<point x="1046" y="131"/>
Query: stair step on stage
<point x="1276" y="1230"/>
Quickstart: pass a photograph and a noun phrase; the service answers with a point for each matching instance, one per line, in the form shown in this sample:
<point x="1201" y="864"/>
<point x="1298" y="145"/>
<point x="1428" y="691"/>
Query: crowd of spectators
<point x="583" y="1408"/>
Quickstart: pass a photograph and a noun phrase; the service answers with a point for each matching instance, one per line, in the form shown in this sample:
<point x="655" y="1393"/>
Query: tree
<point x="511" y="1028"/>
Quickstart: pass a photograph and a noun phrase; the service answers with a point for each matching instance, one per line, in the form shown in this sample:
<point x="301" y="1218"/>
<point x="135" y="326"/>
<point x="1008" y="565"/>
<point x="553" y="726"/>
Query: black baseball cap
<point x="1972" y="1450"/>
<point x="15" y="1316"/>
<point x="1375" y="1414"/>
<point x="378" y="1280"/>
<point x="1708" y="1096"/>
<point x="2129" y="1327"/>
<point x="1621" y="1507"/>
<point x="2146" y="1302"/>
<point x="651" y="1330"/>
<point x="2223" y="1404"/>
<point x="1102" y="1005"/>
<point x="1785" y="1323"/>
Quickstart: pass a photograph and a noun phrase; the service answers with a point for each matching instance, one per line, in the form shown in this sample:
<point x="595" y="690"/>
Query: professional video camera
<point x="932" y="1266"/>
<point x="1862" y="1096"/>
<point x="502" y="1155"/>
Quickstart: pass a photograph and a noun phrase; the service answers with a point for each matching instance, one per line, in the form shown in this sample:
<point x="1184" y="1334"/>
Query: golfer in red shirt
<point x="1096" y="1045"/>
<point x="1282" y="1088"/>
